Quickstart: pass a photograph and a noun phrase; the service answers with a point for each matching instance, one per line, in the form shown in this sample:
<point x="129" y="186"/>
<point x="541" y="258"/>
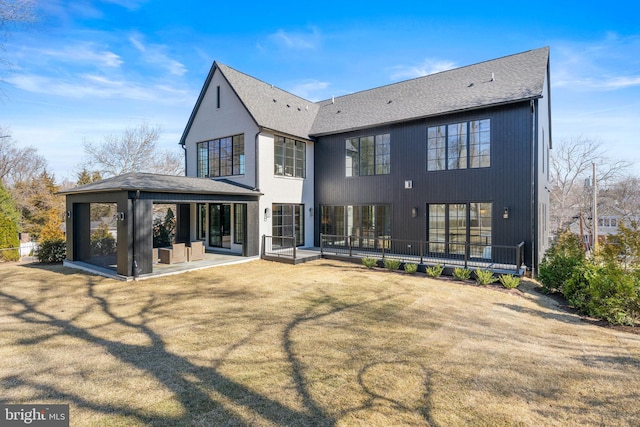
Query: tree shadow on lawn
<point x="325" y="306"/>
<point x="171" y="370"/>
<point x="190" y="385"/>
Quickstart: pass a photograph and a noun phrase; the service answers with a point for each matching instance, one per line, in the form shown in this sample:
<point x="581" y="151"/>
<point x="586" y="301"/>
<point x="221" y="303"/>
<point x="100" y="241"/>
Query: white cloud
<point x="154" y="54"/>
<point x="309" y="89"/>
<point x="296" y="40"/>
<point x="428" y="66"/>
<point x="127" y="4"/>
<point x="602" y="83"/>
<point x="603" y="65"/>
<point x="98" y="86"/>
<point x="78" y="53"/>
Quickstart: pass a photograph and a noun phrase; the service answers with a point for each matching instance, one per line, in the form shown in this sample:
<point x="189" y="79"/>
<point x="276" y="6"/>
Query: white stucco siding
<point x="283" y="189"/>
<point x="211" y="122"/>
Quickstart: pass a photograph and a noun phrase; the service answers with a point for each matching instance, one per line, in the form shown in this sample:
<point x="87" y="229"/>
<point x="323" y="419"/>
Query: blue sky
<point x="91" y="68"/>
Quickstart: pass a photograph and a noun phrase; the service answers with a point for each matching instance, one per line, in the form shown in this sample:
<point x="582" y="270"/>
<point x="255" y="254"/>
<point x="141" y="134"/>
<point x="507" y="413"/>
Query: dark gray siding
<point x="507" y="183"/>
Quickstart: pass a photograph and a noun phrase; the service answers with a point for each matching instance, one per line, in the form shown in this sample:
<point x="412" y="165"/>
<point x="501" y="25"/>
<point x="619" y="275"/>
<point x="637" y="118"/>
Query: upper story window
<point x="607" y="222"/>
<point x="221" y="157"/>
<point x="368" y="155"/>
<point x="459" y="145"/>
<point x="290" y="157"/>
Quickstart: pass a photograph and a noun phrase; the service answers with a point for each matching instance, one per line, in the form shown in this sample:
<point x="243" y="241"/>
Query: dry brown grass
<point x="323" y="343"/>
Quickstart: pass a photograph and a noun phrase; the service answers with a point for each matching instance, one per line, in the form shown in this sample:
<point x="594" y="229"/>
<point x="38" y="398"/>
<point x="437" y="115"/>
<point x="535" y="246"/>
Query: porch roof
<point x="155" y="183"/>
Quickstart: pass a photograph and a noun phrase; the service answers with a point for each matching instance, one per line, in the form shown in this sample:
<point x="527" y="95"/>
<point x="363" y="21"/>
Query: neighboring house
<point x="458" y="158"/>
<point x="609" y="218"/>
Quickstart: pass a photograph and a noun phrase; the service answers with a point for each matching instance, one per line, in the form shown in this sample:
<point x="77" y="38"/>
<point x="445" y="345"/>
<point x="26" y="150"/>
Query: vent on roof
<point x="333" y="100"/>
<point x="389" y="101"/>
<point x="493" y="77"/>
<point x="338" y="112"/>
<point x="288" y="106"/>
<point x="274" y="100"/>
<point x="470" y="85"/>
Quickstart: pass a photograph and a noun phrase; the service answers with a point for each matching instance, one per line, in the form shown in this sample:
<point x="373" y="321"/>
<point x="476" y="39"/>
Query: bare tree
<point x="18" y="164"/>
<point x="624" y="197"/>
<point x="133" y="151"/>
<point x="571" y="168"/>
<point x="13" y="12"/>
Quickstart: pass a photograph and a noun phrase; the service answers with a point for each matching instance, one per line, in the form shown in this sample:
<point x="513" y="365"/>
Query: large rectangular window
<point x="480" y="143"/>
<point x="459" y="145"/>
<point x="368" y="155"/>
<point x="290" y="157"/>
<point x="221" y="157"/>
<point x="368" y="225"/>
<point x="480" y="215"/>
<point x="202" y="161"/>
<point x="436" y="148"/>
<point x="201" y="221"/>
<point x="457" y="233"/>
<point x="437" y="227"/>
<point x="287" y="220"/>
<point x="239" y="214"/>
<point x="452" y="226"/>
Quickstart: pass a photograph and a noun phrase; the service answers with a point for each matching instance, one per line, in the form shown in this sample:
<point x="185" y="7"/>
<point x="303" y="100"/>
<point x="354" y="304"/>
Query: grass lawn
<point x="323" y="343"/>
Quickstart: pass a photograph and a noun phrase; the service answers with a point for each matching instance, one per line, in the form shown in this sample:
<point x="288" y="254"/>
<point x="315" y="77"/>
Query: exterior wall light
<point x="414" y="212"/>
<point x="311" y="212"/>
<point x="267" y="213"/>
<point x="68" y="214"/>
<point x="505" y="213"/>
<point x="119" y="216"/>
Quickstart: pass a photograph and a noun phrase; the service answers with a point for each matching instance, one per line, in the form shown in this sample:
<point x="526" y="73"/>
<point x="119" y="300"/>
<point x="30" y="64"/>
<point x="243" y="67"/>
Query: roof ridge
<point x="333" y="98"/>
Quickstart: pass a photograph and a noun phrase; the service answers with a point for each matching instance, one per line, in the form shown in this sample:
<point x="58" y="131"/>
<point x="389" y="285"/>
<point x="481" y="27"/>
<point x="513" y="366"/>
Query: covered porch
<point x="133" y="196"/>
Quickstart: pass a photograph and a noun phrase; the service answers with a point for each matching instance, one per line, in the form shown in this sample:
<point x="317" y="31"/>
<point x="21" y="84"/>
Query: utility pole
<point x="595" y="211"/>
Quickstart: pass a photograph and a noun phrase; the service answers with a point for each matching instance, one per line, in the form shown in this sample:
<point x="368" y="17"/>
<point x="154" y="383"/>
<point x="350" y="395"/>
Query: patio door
<point x="220" y="225"/>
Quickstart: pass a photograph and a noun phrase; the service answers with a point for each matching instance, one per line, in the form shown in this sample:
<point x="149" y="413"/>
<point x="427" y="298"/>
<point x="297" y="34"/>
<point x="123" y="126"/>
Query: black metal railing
<point x="279" y="247"/>
<point x="465" y="254"/>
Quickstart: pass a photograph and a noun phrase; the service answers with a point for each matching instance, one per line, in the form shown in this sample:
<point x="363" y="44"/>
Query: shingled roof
<point x="271" y="107"/>
<point x="162" y="184"/>
<point x="499" y="81"/>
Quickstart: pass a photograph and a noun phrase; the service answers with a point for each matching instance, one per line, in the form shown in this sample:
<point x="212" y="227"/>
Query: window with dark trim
<point x="201" y="221"/>
<point x="461" y="145"/>
<point x="368" y="155"/>
<point x="239" y="212"/>
<point x="450" y="226"/>
<point x="221" y="157"/>
<point x="217" y="96"/>
<point x="288" y="221"/>
<point x="368" y="225"/>
<point x="290" y="157"/>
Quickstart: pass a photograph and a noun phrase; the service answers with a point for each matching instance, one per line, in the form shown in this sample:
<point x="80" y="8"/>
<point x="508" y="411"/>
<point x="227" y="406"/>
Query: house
<point x="458" y="159"/>
<point x="457" y="156"/>
<point x="609" y="219"/>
